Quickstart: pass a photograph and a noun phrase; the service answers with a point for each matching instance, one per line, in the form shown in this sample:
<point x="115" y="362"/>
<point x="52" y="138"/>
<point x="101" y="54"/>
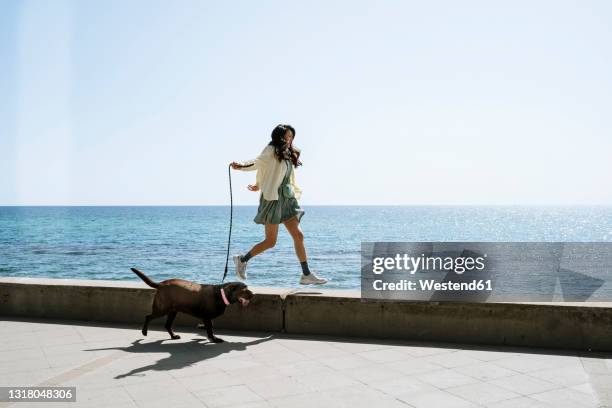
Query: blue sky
<point x="407" y="102"/>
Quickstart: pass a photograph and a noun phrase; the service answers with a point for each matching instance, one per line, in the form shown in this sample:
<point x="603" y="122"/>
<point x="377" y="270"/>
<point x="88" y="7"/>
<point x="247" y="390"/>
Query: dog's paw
<point x="144" y="332"/>
<point x="216" y="340"/>
<point x="175" y="337"/>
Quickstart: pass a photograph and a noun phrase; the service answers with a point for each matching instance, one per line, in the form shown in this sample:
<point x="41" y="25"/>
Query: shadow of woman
<point x="182" y="354"/>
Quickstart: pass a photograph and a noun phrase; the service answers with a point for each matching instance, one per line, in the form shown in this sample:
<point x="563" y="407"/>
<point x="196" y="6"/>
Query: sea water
<point x="189" y="242"/>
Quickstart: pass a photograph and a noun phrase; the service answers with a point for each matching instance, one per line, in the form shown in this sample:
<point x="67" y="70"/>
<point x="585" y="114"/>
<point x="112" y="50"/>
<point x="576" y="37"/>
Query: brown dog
<point x="202" y="301"/>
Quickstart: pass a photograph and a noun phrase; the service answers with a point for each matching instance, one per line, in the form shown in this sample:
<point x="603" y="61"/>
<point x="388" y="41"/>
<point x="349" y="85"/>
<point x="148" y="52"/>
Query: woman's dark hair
<point x="281" y="149"/>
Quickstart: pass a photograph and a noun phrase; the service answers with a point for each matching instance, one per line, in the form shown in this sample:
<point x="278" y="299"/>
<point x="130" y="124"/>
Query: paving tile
<point x="356" y="347"/>
<point x="231" y="364"/>
<point x="255" y="404"/>
<point x="155" y="389"/>
<point x="402" y="385"/>
<point x="207" y="381"/>
<point x="60" y="349"/>
<point x="16" y="328"/>
<point x="585" y="388"/>
<point x="285" y="357"/>
<point x="301" y="368"/>
<point x="102" y="397"/>
<point x="413" y="366"/>
<point x="526" y="363"/>
<point x="309" y="400"/>
<point x="485" y="371"/>
<point x="384" y="355"/>
<point x="319" y="381"/>
<point x="362" y="397"/>
<point x="58" y="338"/>
<point x="20" y="354"/>
<point x="567" y="397"/>
<point x="73" y="360"/>
<point x="524" y="384"/>
<point x="370" y="374"/>
<point x="185" y="400"/>
<point x="228" y="396"/>
<point x="131" y="404"/>
<point x="122" y="376"/>
<point x="437" y="399"/>
<point x="19" y="343"/>
<point x="262" y="372"/>
<point x="446" y="378"/>
<point x="317" y="350"/>
<point x="28" y="378"/>
<point x="451" y="360"/>
<point x="24" y="365"/>
<point x="346" y="362"/>
<point x="489" y="355"/>
<point x="199" y="368"/>
<point x="565" y="376"/>
<point x="278" y="387"/>
<point x="482" y="393"/>
<point x="520" y="402"/>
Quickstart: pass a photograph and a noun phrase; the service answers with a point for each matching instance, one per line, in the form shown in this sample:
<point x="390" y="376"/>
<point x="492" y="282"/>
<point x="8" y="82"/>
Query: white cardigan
<point x="270" y="174"/>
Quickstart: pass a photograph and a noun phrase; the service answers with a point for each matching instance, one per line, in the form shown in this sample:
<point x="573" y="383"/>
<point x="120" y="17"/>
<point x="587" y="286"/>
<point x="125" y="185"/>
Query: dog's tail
<point x="145" y="278"/>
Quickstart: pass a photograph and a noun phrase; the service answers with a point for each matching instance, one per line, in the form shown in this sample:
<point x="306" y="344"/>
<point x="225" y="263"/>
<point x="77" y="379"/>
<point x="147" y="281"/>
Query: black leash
<point x="229" y="173"/>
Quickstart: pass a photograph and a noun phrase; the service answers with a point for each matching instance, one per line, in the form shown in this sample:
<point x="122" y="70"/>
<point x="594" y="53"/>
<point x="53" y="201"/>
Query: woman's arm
<point x="259" y="162"/>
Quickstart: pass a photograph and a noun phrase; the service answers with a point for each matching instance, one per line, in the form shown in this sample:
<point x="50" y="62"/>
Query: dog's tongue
<point x="243" y="301"/>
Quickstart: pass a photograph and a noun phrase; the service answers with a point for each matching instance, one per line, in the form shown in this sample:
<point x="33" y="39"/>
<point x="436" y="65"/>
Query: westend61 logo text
<point x="427" y="263"/>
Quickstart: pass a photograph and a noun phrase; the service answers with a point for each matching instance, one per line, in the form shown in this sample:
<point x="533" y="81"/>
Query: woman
<point x="278" y="199"/>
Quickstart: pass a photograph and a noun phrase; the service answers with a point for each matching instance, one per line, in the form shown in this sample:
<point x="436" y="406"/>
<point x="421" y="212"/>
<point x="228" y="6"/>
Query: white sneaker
<point x="240" y="268"/>
<point x="312" y="279"/>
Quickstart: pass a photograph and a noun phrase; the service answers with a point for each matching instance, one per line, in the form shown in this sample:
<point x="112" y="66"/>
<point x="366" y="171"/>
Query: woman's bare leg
<point x="293" y="226"/>
<point x="308" y="277"/>
<point x="269" y="242"/>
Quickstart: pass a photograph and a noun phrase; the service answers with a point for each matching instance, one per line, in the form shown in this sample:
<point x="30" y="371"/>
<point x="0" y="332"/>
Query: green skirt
<point x="278" y="211"/>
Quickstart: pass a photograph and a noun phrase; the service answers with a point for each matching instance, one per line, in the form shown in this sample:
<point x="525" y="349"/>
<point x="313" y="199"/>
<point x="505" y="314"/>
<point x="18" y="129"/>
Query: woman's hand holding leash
<point x="237" y="166"/>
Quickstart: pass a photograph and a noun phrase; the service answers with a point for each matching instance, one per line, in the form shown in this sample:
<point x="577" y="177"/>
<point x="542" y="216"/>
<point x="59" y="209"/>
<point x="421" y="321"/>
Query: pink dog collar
<point x="224" y="297"/>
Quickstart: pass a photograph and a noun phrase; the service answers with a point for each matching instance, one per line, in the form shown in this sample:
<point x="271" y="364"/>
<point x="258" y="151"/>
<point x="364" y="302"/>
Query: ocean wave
<point x="78" y="253"/>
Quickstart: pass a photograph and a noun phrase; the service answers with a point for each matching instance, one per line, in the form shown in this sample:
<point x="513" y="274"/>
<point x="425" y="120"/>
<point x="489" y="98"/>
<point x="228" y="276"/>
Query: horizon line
<point x="315" y="205"/>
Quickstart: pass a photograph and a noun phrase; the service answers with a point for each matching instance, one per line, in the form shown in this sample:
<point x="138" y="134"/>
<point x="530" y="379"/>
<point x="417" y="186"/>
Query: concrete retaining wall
<point x="313" y="311"/>
<point x="118" y="301"/>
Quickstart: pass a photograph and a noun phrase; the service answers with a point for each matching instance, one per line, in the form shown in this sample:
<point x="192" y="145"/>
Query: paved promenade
<point x="118" y="367"/>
